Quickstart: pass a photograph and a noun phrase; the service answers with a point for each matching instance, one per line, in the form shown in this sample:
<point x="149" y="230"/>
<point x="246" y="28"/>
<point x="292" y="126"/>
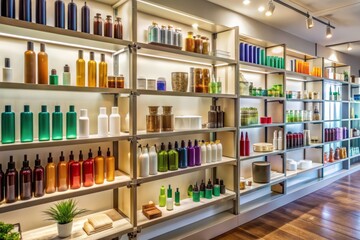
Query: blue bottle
<point x="25" y="10"/>
<point x="255" y="57"/>
<point x="161" y="84"/>
<point x="40" y="12"/>
<point x="250" y="53"/>
<point x="9" y="8"/>
<point x="246" y="52"/>
<point x="72" y="16"/>
<point x="59" y="14"/>
<point x="258" y="57"/>
<point x="85" y="19"/>
<point x="182" y="155"/>
<point x="242" y="51"/>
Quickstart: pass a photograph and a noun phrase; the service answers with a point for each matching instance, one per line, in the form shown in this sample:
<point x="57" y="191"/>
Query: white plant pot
<point x="64" y="230"/>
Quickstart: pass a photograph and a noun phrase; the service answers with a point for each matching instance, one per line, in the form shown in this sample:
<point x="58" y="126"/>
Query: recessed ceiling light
<point x="246" y="2"/>
<point x="261" y="9"/>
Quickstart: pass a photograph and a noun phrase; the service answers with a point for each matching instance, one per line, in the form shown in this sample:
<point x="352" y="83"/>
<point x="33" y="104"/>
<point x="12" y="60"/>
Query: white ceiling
<point x="344" y="15"/>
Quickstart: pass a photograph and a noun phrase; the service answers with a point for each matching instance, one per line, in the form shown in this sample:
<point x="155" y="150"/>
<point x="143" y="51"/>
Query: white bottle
<point x="127" y="123"/>
<point x="169" y="200"/>
<point x="280" y="141"/>
<point x="144" y="163"/>
<point x="208" y="153"/>
<point x="138" y="153"/>
<point x="275" y="140"/>
<point x="153" y="161"/>
<point x="84" y="125"/>
<point x="219" y="151"/>
<point x="213" y="152"/>
<point x="7" y="71"/>
<point x="203" y="153"/>
<point x="114" y="122"/>
<point x="103" y="123"/>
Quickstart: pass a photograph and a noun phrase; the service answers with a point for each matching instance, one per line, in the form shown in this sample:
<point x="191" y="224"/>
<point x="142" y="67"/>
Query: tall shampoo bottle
<point x="43" y="66"/>
<point x="153" y="167"/>
<point x="103" y="123"/>
<point x="80" y="70"/>
<point x="114" y="122"/>
<point x="50" y="172"/>
<point x="84" y="125"/>
<point x="99" y="168"/>
<point x="144" y="163"/>
<point x="30" y="64"/>
<point x="62" y="177"/>
<point x="110" y="166"/>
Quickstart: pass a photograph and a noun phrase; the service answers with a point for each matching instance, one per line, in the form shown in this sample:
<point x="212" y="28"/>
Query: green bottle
<point x="8" y="125"/>
<point x="71" y="129"/>
<point x="163" y="159"/>
<point x="57" y="124"/>
<point x="196" y="194"/>
<point x="162" y="197"/>
<point x="216" y="188"/>
<point x="173" y="158"/>
<point x="177" y="197"/>
<point x="44" y="124"/>
<point x="54" y="78"/>
<point x="26" y="125"/>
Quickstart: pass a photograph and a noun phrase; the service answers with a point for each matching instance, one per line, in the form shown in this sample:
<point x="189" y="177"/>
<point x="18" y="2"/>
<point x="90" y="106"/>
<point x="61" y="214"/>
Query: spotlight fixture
<point x="328" y="31"/>
<point x="246" y="2"/>
<point x="349" y="47"/>
<point x="271" y="8"/>
<point x="309" y="21"/>
<point x="261" y="9"/>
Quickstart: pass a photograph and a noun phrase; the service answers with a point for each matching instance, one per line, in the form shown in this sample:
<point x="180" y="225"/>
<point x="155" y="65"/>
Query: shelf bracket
<point x="133" y="235"/>
<point x="130" y="185"/>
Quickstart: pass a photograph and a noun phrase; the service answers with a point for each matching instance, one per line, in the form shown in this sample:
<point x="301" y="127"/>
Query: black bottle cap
<point x="169" y="146"/>
<point x="7" y="108"/>
<point x="81" y="157"/>
<point x="30" y="46"/>
<point x="221" y="182"/>
<point x="50" y="159"/>
<point x="99" y="151"/>
<point x="176" y="145"/>
<point x="25" y="162"/>
<point x="71" y="156"/>
<point x="37" y="161"/>
<point x="108" y="152"/>
<point x="92" y="54"/>
<point x="11" y="163"/>
<point x="26" y="108"/>
<point x="203" y="141"/>
<point x="57" y="108"/>
<point x="72" y="108"/>
<point x="62" y="157"/>
<point x="213" y="108"/>
<point x="202" y="186"/>
<point x="162" y="147"/>
<point x="7" y="62"/>
<point x="66" y="68"/>
<point x="209" y="185"/>
<point x="218" y="108"/>
<point x="42" y="47"/>
<point x="43" y="108"/>
<point x="103" y="57"/>
<point x="177" y="189"/>
<point x="189" y="143"/>
<point x="217" y="181"/>
<point x="90" y="153"/>
<point x="182" y="143"/>
<point x="196" y="143"/>
<point x="147" y="146"/>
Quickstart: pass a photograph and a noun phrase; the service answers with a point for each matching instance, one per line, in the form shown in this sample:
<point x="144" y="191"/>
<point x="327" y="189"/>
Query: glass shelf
<point x="184" y="94"/>
<point x="261" y="154"/>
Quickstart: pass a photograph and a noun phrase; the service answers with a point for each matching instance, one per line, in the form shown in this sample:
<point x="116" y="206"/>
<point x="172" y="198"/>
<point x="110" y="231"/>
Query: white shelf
<point x="120" y="227"/>
<point x="263" y="125"/>
<point x="180" y="171"/>
<point x="186" y="206"/>
<point x="184" y="94"/>
<point x="258" y="68"/>
<point x="299" y="171"/>
<point x="275" y="178"/>
<point x="142" y="134"/>
<point x="121" y="180"/>
<point x="261" y="154"/>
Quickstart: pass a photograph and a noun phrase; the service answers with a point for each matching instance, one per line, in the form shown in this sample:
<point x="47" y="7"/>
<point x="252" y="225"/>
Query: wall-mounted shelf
<point x="184" y="94"/>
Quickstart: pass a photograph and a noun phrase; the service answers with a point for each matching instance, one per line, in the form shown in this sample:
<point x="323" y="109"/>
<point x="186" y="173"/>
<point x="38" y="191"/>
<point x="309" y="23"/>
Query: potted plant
<point x="63" y="213"/>
<point x="7" y="232"/>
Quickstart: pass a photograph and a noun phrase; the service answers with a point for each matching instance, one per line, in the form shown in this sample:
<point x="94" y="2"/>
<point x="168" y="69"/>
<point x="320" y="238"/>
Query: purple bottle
<point x="254" y="58"/>
<point x="326" y="134"/>
<point x="345" y="133"/>
<point x="191" y="154"/>
<point x="197" y="153"/>
<point x="2" y="184"/>
<point x="242" y="51"/>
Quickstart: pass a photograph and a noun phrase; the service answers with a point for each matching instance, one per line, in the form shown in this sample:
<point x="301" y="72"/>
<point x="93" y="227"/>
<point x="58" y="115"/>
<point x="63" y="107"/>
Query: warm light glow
<point x="246" y="2"/>
<point x="261" y="9"/>
<point x="173" y="59"/>
<point x="309" y="22"/>
<point x="271" y="7"/>
<point x="328" y="32"/>
<point x="349" y="47"/>
<point x="195" y="26"/>
<point x="277" y="50"/>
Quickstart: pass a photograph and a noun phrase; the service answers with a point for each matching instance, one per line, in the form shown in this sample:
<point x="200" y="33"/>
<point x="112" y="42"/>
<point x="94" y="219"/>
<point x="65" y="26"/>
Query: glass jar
<point x="198" y="44"/>
<point x="199" y="86"/>
<point x="175" y="38"/>
<point x="316" y="115"/>
<point x="205" y="80"/>
<point x="153" y="120"/>
<point x="154" y="33"/>
<point x="108" y="26"/>
<point x="167" y="119"/>
<point x="180" y="37"/>
<point x="161" y="84"/>
<point x="118" y="28"/>
<point x="291" y="116"/>
<point x="163" y="34"/>
<point x="111" y="82"/>
<point x="206" y="45"/>
<point x="190" y="42"/>
<point x="98" y="24"/>
<point x="120" y="81"/>
<point x="244" y="88"/>
<point x="170" y="35"/>
<point x="151" y="84"/>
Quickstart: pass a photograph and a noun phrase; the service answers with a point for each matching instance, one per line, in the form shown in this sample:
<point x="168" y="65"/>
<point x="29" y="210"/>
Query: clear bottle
<point x="108" y="27"/>
<point x="170" y="35"/>
<point x="50" y="173"/>
<point x="43" y="66"/>
<point x="30" y="64"/>
<point x="26" y="125"/>
<point x="179" y="37"/>
<point x="98" y="23"/>
<point x="57" y="124"/>
<point x="62" y="177"/>
<point x="80" y="70"/>
<point x="99" y="168"/>
<point x="110" y="166"/>
<point x="103" y="123"/>
<point x="153" y="120"/>
<point x="118" y="28"/>
<point x="154" y="33"/>
<point x="114" y="125"/>
<point x="84" y="125"/>
<point x="92" y="70"/>
<point x="66" y="76"/>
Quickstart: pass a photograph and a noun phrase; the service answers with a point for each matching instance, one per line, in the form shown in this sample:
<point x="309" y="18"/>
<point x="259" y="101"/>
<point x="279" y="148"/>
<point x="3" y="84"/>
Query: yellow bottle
<point x="99" y="168"/>
<point x="92" y="71"/>
<point x="102" y="72"/>
<point x="50" y="171"/>
<point x="80" y="70"/>
<point x="63" y="179"/>
<point x="110" y="166"/>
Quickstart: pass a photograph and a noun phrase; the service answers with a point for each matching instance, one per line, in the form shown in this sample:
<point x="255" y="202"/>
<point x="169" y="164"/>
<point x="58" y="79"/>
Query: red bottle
<point x="88" y="171"/>
<point x="38" y="181"/>
<point x="75" y="172"/>
<point x="2" y="184"/>
<point x="25" y="180"/>
<point x="301" y="139"/>
<point x="11" y="183"/>
<point x="289" y="140"/>
<point x="247" y="145"/>
<point x="242" y="145"/>
<point x="71" y="160"/>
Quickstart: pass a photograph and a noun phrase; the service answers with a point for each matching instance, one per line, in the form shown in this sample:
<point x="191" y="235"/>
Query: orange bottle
<point x="30" y="64"/>
<point x="63" y="171"/>
<point x="50" y="171"/>
<point x="43" y="74"/>
<point x="99" y="168"/>
<point x="110" y="166"/>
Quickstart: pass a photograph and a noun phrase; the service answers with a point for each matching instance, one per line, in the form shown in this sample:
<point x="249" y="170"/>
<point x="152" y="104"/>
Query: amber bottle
<point x="118" y="28"/>
<point x="99" y="168"/>
<point x="42" y="65"/>
<point x="62" y="169"/>
<point x="110" y="166"/>
<point x="80" y="70"/>
<point x="92" y="71"/>
<point x="30" y="64"/>
<point x="88" y="171"/>
<point x="108" y="26"/>
<point x="102" y="72"/>
<point x="50" y="172"/>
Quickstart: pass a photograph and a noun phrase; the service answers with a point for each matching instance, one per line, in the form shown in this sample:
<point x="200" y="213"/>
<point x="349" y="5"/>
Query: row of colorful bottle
<point x="151" y="161"/>
<point x="334" y="95"/>
<point x="331" y="156"/>
<point x="216" y="117"/>
<point x="294" y="140"/>
<point x="335" y="134"/>
<point x="244" y="144"/>
<point x="252" y="54"/>
<point x="303" y="115"/>
<point x="197" y="44"/>
<point x="25" y="14"/>
<point x="163" y="35"/>
<point x="55" y="177"/>
<point x="73" y="129"/>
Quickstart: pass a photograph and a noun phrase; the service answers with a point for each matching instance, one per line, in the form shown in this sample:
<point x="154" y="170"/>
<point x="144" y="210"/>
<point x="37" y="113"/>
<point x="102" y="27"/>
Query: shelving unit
<point x="137" y="58"/>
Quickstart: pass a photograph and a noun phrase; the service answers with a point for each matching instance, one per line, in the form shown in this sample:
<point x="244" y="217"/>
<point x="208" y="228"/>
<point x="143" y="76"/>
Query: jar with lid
<point x="175" y="37"/>
<point x="170" y="35"/>
<point x="316" y="115"/>
<point x="163" y="34"/>
<point x="118" y="28"/>
<point x="205" y="80"/>
<point x="206" y="46"/>
<point x="190" y="42"/>
<point x="154" y="33"/>
<point x="108" y="26"/>
<point x="98" y="24"/>
<point x="199" y="86"/>
<point x="167" y="119"/>
<point x="151" y="84"/>
<point x="180" y="37"/>
<point x="153" y="120"/>
<point x="161" y="84"/>
<point x="198" y="44"/>
<point x="141" y="83"/>
<point x="111" y="82"/>
<point x="120" y="81"/>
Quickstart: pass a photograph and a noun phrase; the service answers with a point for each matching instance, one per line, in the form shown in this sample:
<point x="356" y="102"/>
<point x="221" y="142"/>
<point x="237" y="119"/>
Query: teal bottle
<point x="57" y="124"/>
<point x="163" y="159"/>
<point x="71" y="120"/>
<point x="7" y="125"/>
<point x="44" y="124"/>
<point x="173" y="158"/>
<point x="26" y="125"/>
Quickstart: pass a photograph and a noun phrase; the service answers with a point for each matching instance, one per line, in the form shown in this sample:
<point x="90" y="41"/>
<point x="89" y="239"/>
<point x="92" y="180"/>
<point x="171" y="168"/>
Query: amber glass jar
<point x="108" y="26"/>
<point x="118" y="28"/>
<point x="111" y="82"/>
<point x="190" y="42"/>
<point x="205" y="79"/>
<point x="206" y="46"/>
<point x="198" y="44"/>
<point x="98" y="24"/>
<point x="199" y="86"/>
<point x="120" y="81"/>
<point x="167" y="119"/>
<point x="153" y="120"/>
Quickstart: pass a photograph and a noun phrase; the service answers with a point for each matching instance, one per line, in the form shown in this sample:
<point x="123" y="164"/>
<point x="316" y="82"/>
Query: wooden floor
<point x="330" y="213"/>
